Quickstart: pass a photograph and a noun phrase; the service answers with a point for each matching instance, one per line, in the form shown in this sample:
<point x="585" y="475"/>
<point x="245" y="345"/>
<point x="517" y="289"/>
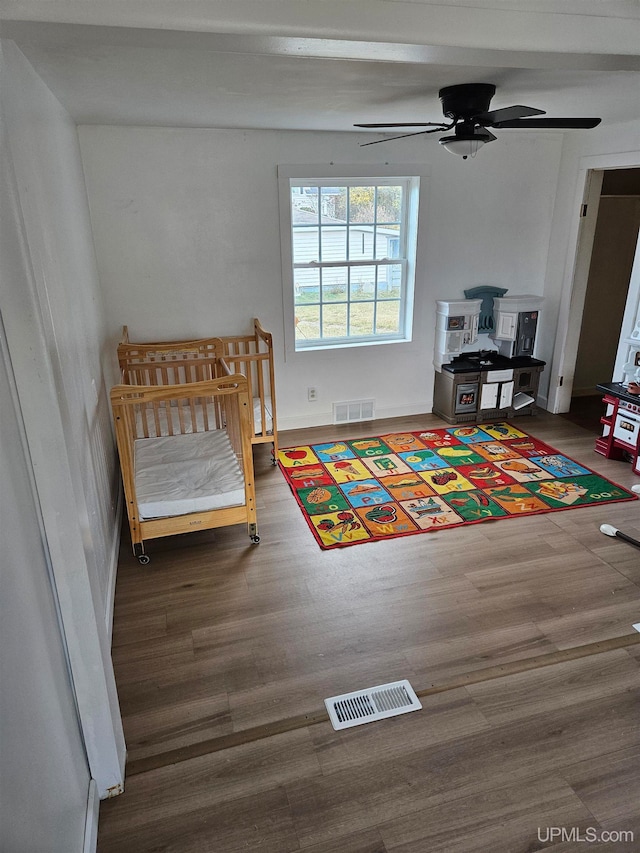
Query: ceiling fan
<point x="467" y="105"/>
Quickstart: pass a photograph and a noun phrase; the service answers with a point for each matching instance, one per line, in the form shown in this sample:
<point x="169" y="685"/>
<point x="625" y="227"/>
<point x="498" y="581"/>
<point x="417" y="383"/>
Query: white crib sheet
<point x="257" y="415"/>
<point x="179" y="474"/>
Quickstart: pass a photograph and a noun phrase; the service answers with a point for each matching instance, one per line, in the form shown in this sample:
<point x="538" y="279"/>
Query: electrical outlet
<point x="312" y="394"/>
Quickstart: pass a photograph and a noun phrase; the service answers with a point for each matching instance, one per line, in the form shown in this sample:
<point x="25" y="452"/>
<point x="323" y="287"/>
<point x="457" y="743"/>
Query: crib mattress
<point x="179" y="474"/>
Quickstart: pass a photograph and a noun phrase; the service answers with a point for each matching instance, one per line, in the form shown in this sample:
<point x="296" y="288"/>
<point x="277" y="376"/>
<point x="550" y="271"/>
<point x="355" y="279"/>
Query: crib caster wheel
<point x="143" y="559"/>
<point x="255" y="539"/>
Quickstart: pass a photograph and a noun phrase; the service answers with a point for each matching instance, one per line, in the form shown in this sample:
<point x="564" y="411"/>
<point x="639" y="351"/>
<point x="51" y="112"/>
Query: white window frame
<point x="343" y="175"/>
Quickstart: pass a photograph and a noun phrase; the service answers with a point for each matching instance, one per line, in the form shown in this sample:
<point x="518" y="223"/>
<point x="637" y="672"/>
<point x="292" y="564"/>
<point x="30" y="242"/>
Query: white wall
<point x="186" y="231"/>
<point x="43" y="143"/>
<point x="53" y="317"/>
<point x="40" y="737"/>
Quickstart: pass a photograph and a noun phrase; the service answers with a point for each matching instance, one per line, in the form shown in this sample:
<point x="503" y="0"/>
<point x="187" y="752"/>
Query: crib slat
<point x="180" y="407"/>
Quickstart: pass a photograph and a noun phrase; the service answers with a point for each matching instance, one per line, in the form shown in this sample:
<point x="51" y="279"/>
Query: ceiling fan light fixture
<point x="465" y="144"/>
<point x="463" y="147"/>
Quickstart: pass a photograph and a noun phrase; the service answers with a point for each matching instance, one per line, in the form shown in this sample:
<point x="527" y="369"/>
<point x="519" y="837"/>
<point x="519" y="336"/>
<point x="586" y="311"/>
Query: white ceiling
<point x="326" y="64"/>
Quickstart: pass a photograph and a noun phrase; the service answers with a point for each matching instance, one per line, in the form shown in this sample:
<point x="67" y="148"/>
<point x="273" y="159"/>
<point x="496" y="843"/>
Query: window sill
<point x="322" y="345"/>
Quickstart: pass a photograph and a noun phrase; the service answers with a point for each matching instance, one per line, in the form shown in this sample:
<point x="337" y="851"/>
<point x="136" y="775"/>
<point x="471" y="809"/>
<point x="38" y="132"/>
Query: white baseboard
<point x="91" y="820"/>
<point x="113" y="565"/>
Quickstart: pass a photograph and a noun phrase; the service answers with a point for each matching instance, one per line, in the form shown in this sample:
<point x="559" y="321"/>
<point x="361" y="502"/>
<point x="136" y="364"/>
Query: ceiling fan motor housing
<point x="466" y="100"/>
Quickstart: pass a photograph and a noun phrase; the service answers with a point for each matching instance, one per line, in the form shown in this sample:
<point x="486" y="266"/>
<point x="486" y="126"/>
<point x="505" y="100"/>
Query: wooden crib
<point x="174" y="362"/>
<point x="186" y="456"/>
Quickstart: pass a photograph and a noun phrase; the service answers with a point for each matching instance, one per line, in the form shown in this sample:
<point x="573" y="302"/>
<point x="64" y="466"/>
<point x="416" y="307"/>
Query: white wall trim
<point x="91" y="823"/>
<point x="113" y="566"/>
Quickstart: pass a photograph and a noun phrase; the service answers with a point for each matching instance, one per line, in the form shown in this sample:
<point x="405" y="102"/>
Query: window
<point x="350" y="259"/>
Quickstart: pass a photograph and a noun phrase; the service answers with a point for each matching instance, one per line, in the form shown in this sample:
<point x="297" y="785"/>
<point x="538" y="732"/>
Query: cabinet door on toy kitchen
<point x="496" y="395"/>
<point x="506" y="326"/>
<point x="506" y="395"/>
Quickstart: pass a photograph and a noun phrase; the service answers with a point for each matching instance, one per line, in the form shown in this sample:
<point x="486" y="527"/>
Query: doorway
<point x="612" y="255"/>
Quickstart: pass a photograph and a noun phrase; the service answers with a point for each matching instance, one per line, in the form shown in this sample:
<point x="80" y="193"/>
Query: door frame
<point x="580" y="245"/>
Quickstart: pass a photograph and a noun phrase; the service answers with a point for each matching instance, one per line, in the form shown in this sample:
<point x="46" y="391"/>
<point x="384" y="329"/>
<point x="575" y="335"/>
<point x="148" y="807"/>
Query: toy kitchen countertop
<point x="619" y="389"/>
<point x="472" y="362"/>
<point x="485" y="386"/>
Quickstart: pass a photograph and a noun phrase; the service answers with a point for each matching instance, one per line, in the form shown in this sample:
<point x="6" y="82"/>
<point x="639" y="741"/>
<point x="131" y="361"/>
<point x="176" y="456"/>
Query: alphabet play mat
<point x="403" y="483"/>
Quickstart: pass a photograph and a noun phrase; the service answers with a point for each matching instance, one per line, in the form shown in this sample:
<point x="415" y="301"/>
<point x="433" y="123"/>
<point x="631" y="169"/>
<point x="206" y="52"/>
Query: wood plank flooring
<point x="516" y="633"/>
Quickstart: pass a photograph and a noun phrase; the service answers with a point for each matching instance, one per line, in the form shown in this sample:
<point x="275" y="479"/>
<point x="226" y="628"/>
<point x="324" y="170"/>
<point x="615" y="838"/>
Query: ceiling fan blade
<point x="406" y="124"/>
<point x="402" y="136"/>
<point x="556" y="123"/>
<point x="488" y="136"/>
<point x="491" y="117"/>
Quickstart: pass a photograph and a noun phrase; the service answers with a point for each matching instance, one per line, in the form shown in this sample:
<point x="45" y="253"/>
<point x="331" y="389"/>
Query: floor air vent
<point x="353" y="410"/>
<point x="375" y="703"/>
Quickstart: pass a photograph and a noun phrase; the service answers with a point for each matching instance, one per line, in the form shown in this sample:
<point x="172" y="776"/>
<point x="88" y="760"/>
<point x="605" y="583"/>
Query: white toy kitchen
<point x="495" y="383"/>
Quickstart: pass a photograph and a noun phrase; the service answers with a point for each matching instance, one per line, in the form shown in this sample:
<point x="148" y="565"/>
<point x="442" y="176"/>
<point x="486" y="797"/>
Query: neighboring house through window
<point x="349" y="247"/>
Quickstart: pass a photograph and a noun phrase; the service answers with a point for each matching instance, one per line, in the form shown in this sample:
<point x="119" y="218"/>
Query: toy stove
<point x="481" y="358"/>
<point x="626" y="426"/>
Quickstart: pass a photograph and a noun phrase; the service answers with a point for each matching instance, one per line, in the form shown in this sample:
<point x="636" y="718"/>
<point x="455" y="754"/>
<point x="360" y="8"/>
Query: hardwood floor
<point x="586" y="412"/>
<point x="516" y="633"/>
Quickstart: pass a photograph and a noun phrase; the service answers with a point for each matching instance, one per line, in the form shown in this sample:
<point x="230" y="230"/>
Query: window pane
<point x="361" y="243"/>
<point x="306" y="286"/>
<point x="361" y="204"/>
<point x="305" y="245"/>
<point x="387" y="242"/>
<point x="333" y="202"/>
<point x="389" y="281"/>
<point x="304" y="205"/>
<point x="363" y="283"/>
<point x="334" y="281"/>
<point x="388" y="317"/>
<point x="307" y="322"/>
<point x="361" y="318"/>
<point x="334" y="244"/>
<point x="334" y="321"/>
<point x="336" y="292"/>
<point x="389" y="204"/>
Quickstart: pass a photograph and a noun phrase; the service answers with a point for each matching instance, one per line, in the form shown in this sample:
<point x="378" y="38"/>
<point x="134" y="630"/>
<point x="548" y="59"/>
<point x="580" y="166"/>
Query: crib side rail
<point x="170" y="364"/>
<point x="158" y="411"/>
<point x="264" y="340"/>
<point x="152" y="411"/>
<point x="252" y="355"/>
<point x="262" y="335"/>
